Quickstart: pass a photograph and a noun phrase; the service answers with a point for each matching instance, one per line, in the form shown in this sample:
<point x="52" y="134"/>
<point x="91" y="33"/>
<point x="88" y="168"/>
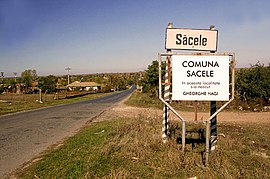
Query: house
<point x="139" y="88"/>
<point x="84" y="86"/>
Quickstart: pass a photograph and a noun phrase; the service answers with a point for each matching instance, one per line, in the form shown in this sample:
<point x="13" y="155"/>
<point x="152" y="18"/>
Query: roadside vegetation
<point x="29" y="82"/>
<point x="132" y="148"/>
<point x="253" y="87"/>
<point x="252" y="90"/>
<point x="22" y="93"/>
<point x="11" y="103"/>
<point x="144" y="100"/>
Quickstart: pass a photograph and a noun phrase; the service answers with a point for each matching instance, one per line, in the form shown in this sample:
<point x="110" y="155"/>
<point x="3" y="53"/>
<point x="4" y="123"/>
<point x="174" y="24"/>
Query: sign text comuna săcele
<point x="202" y="78"/>
<point x="191" y="39"/>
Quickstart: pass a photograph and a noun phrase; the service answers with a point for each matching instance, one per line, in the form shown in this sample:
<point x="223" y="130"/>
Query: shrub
<point x="253" y="84"/>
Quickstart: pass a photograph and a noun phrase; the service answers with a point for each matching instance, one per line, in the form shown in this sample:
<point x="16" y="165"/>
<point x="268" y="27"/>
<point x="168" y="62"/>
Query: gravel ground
<point x="123" y="110"/>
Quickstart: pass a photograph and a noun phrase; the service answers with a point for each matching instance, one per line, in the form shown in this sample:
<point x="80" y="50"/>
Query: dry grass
<point x="10" y="103"/>
<point x="144" y="100"/>
<point x="132" y="148"/>
<point x="123" y="146"/>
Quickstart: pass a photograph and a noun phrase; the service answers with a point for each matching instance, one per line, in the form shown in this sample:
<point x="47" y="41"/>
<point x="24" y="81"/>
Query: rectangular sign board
<point x="202" y="78"/>
<point x="191" y="39"/>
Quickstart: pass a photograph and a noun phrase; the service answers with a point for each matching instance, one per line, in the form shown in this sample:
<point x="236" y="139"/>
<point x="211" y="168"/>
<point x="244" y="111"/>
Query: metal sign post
<point x="160" y="55"/>
<point x="208" y="122"/>
<point x="196" y="77"/>
<point x="213" y="122"/>
<point x="167" y="91"/>
<point x="213" y="126"/>
<point x="201" y="90"/>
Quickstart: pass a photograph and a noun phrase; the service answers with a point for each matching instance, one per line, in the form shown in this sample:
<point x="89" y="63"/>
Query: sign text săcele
<point x="191" y="39"/>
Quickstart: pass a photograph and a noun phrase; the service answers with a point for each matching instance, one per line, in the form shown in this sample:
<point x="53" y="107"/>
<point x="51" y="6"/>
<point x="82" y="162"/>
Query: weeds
<point x="10" y="103"/>
<point x="145" y="100"/>
<point x="132" y="148"/>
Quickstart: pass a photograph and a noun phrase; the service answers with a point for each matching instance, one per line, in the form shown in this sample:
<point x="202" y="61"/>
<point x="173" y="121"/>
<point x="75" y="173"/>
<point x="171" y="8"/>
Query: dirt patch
<point x="123" y="110"/>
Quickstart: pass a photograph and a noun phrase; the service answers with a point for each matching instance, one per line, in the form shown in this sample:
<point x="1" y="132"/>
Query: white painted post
<point x="40" y="96"/>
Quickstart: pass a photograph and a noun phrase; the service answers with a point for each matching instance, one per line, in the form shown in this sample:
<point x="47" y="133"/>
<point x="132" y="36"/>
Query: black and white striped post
<point x="213" y="126"/>
<point x="213" y="122"/>
<point x="166" y="110"/>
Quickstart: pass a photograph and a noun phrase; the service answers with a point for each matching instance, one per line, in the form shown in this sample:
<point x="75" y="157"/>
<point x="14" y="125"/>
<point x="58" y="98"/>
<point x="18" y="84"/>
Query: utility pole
<point x="15" y="75"/>
<point x="68" y="73"/>
<point x="2" y="76"/>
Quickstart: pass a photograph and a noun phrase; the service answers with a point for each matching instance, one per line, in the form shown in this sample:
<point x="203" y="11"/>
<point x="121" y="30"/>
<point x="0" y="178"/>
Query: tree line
<point x="252" y="85"/>
<point x="29" y="78"/>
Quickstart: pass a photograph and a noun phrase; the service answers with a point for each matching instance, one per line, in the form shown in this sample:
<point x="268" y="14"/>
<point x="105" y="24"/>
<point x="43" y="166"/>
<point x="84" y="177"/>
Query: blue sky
<point x="121" y="35"/>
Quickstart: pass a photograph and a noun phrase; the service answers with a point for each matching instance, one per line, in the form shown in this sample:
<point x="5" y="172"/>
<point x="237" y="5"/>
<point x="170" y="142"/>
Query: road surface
<point x="25" y="135"/>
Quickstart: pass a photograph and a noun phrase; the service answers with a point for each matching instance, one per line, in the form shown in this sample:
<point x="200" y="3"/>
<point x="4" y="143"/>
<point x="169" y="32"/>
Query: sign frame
<point x="214" y="114"/>
<point x="190" y="39"/>
<point x="171" y="32"/>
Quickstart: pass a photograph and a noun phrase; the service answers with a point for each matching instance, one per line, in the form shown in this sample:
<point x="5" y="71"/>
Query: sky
<point x="96" y="36"/>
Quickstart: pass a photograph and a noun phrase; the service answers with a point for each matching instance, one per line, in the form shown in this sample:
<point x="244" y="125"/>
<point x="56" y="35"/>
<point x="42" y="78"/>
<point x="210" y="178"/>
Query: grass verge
<point x="11" y="103"/>
<point x="132" y="148"/>
<point x="144" y="100"/>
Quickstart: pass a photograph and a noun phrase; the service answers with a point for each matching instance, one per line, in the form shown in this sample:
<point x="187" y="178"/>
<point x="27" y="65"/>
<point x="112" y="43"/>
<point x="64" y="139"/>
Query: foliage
<point x="151" y="80"/>
<point x="253" y="84"/>
<point x="106" y="88"/>
<point x="143" y="100"/>
<point x="47" y="83"/>
<point x="28" y="76"/>
<point x="118" y="82"/>
<point x="1" y="89"/>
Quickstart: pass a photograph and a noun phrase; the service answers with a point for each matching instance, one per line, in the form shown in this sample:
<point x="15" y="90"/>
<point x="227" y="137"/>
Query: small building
<point x="139" y="88"/>
<point x="84" y="86"/>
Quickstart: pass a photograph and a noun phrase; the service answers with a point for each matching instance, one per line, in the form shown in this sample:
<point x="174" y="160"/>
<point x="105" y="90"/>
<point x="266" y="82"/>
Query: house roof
<point x="83" y="84"/>
<point x="34" y="83"/>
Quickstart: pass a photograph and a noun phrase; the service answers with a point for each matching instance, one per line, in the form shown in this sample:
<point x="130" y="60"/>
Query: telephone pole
<point x="15" y="75"/>
<point x="68" y="69"/>
<point x="2" y="76"/>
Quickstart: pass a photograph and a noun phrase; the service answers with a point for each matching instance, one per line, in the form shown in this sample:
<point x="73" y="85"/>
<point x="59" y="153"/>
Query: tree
<point x="28" y="76"/>
<point x="1" y="89"/>
<point x="151" y="80"/>
<point x="13" y="83"/>
<point x="47" y="83"/>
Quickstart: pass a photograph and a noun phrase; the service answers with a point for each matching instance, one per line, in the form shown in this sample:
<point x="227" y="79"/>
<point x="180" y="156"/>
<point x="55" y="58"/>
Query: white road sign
<point x="202" y="78"/>
<point x="191" y="39"/>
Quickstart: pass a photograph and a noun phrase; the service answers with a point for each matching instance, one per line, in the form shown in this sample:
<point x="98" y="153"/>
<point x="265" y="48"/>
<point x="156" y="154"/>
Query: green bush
<point x="253" y="84"/>
<point x="1" y="89"/>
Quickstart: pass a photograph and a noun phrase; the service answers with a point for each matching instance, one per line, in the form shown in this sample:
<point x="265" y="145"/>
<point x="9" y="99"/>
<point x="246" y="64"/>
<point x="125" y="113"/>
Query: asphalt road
<point x="25" y="135"/>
